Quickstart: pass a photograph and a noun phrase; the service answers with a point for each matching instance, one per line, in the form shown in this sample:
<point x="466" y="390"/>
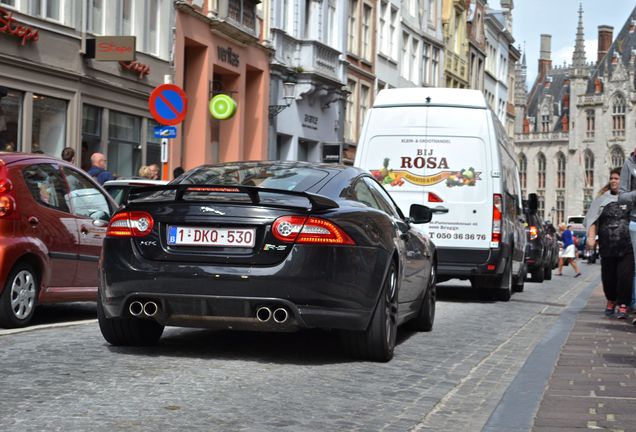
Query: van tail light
<point x="534" y="232"/>
<point x="497" y="208"/>
<point x="130" y="224"/>
<point x="434" y="198"/>
<point x="309" y="230"/>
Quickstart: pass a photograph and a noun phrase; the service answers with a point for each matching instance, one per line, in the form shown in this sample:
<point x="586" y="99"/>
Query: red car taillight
<point x="534" y="232"/>
<point x="7" y="202"/>
<point x="309" y="230"/>
<point x="497" y="207"/>
<point x="130" y="224"/>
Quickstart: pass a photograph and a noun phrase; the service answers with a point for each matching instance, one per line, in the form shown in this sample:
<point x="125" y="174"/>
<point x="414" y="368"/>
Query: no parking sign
<point x="168" y="104"/>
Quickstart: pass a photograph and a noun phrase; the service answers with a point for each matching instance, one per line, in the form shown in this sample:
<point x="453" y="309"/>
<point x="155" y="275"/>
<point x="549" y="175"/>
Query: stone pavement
<point x="593" y="385"/>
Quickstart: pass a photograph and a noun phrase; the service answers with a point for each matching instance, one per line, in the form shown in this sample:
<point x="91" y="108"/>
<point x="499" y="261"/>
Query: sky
<point x="559" y="18"/>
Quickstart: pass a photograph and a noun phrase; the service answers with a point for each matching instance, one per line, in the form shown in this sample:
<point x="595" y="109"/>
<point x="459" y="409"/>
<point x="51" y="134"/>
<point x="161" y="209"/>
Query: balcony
<point x="308" y="56"/>
<point x="234" y="18"/>
<point x="456" y="65"/>
<point x="541" y="137"/>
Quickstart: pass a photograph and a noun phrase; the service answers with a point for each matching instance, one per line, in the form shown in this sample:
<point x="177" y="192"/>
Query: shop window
<point x="153" y="145"/>
<point x="10" y="109"/>
<point x="91" y="133"/>
<point x="124" y="144"/>
<point x="48" y="125"/>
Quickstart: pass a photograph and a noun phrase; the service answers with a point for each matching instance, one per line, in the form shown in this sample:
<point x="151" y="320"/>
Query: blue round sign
<point x="167" y="104"/>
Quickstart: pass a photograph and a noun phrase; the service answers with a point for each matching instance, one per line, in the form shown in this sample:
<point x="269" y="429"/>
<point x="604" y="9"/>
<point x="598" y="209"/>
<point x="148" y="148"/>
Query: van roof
<point x="438" y="96"/>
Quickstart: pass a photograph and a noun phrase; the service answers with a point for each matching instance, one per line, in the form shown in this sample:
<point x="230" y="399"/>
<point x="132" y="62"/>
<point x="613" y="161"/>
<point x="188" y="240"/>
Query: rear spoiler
<point x="318" y="202"/>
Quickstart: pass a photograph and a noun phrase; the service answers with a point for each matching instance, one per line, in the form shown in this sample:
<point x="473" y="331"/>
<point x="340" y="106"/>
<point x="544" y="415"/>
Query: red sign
<point x="135" y="66"/>
<point x="10" y="26"/>
<point x="167" y="104"/>
<point x="112" y="48"/>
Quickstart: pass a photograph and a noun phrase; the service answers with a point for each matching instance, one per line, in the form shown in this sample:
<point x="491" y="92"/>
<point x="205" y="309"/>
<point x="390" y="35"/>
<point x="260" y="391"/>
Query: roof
<point x="430" y="96"/>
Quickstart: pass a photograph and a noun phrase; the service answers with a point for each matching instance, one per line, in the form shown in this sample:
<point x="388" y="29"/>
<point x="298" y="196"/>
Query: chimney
<point x="545" y="64"/>
<point x="605" y="35"/>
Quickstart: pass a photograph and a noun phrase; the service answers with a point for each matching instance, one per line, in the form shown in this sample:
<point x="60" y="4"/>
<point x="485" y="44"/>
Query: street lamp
<point x="289" y="87"/>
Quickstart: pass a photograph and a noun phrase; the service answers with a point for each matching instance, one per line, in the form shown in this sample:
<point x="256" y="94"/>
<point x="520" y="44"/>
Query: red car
<point x="53" y="217"/>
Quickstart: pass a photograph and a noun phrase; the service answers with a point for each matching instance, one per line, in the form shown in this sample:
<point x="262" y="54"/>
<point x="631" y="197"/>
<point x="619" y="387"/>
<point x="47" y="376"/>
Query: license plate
<point x="201" y="236"/>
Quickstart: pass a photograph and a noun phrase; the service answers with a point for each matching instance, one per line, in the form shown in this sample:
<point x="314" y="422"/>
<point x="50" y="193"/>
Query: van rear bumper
<point x="464" y="263"/>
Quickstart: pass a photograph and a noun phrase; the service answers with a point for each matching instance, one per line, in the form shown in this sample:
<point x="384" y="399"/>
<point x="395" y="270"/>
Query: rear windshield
<point x="269" y="176"/>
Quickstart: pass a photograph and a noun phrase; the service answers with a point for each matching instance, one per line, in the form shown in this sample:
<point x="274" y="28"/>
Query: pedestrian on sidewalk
<point x="627" y="194"/>
<point x="609" y="219"/>
<point x="98" y="169"/>
<point x="568" y="255"/>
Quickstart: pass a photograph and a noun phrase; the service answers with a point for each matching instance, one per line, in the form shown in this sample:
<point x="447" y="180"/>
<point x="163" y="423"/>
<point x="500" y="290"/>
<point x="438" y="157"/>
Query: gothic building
<point x="576" y="122"/>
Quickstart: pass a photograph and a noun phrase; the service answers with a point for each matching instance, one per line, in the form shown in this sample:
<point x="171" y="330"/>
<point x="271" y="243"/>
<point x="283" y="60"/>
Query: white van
<point x="446" y="149"/>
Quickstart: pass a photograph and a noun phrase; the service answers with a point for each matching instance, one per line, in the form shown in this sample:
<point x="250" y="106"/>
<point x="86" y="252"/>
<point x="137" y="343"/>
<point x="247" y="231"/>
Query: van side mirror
<point x="533" y="202"/>
<point x="420" y="214"/>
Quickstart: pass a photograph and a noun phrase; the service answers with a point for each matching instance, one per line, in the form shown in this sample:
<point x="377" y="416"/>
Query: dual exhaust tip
<point x="149" y="308"/>
<point x="279" y="315"/>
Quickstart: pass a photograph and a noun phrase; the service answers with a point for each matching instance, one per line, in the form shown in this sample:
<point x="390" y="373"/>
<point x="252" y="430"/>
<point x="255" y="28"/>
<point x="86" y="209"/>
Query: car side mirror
<point x="420" y="214"/>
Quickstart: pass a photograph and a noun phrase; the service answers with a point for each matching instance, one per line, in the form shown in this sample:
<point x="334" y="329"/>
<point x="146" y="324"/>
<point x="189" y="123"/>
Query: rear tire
<point x="19" y="297"/>
<point x="377" y="342"/>
<point x="127" y="331"/>
<point x="547" y="273"/>
<point x="537" y="275"/>
<point x="425" y="318"/>
<point x="504" y="291"/>
<point x="518" y="284"/>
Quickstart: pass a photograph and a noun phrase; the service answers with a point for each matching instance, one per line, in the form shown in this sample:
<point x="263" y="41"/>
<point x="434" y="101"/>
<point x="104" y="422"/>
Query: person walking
<point x="627" y="195"/>
<point x="569" y="250"/>
<point x="98" y="169"/>
<point x="609" y="219"/>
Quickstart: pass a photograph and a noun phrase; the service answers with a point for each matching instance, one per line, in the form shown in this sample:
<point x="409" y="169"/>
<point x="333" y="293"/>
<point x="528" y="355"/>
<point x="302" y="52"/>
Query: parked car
<point x="53" y="217"/>
<point x="553" y="242"/>
<point x="120" y="189"/>
<point x="413" y="143"/>
<point x="273" y="246"/>
<point x="539" y="249"/>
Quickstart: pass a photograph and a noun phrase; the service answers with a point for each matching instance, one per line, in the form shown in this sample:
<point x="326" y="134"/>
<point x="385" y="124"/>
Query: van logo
<point x="396" y="177"/>
<point x="206" y="209"/>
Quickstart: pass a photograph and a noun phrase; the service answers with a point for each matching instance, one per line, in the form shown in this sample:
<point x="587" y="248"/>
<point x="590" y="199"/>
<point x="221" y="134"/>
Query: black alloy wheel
<point x="127" y="331"/>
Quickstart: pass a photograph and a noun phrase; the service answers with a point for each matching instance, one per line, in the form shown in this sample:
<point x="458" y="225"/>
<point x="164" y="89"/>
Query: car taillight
<point x="497" y="207"/>
<point x="434" y="198"/>
<point x="130" y="224"/>
<point x="309" y="230"/>
<point x="534" y="232"/>
<point x="7" y="202"/>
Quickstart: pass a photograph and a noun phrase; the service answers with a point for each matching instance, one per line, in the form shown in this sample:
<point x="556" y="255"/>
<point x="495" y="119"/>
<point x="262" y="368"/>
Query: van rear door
<point x="443" y="164"/>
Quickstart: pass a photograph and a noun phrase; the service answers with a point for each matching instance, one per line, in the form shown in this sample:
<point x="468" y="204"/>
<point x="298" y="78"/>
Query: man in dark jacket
<point x="98" y="169"/>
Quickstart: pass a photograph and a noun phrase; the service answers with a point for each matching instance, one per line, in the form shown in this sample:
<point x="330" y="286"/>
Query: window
<point x="124" y="146"/>
<point x="540" y="171"/>
<point x="332" y="29"/>
<point x="560" y="159"/>
<point x="382" y="28"/>
<point x="560" y="206"/>
<point x="523" y="170"/>
<point x="588" y="197"/>
<point x="414" y="75"/>
<point x="589" y="169"/>
<point x="84" y="199"/>
<point x="589" y="116"/>
<point x="350" y="114"/>
<point x="545" y="123"/>
<point x="366" y="32"/>
<point x="48" y="125"/>
<point x="435" y="67"/>
<point x="57" y="10"/>
<point x="46" y="185"/>
<point x="393" y="33"/>
<point x="617" y="157"/>
<point x="432" y="12"/>
<point x="10" y="125"/>
<point x="405" y="55"/>
<point x="618" y="116"/>
<point x="541" y="206"/>
<point x="364" y="105"/>
<point x="153" y="145"/>
<point x="91" y="133"/>
<point x="382" y="197"/>
<point x="426" y="63"/>
<point x="362" y="193"/>
<point x="353" y="40"/>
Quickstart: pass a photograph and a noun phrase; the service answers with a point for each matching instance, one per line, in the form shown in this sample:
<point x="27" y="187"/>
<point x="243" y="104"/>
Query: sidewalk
<point x="593" y="385"/>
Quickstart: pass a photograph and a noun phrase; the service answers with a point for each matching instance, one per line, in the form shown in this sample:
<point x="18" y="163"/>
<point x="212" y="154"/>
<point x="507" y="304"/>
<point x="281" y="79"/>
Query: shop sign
<point x="228" y="56"/>
<point x="310" y="122"/>
<point x="111" y="48"/>
<point x="12" y="27"/>
<point x="135" y="66"/>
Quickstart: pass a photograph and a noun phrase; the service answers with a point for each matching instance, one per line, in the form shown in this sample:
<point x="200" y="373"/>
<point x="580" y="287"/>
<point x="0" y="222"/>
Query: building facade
<point x="454" y="13"/>
<point x="309" y="40"/>
<point x="497" y="73"/>
<point x="579" y="121"/>
<point x="476" y="44"/>
<point x="52" y="95"/>
<point x="219" y="49"/>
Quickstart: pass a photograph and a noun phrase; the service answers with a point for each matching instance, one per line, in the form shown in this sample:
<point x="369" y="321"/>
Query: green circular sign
<point x="222" y="107"/>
